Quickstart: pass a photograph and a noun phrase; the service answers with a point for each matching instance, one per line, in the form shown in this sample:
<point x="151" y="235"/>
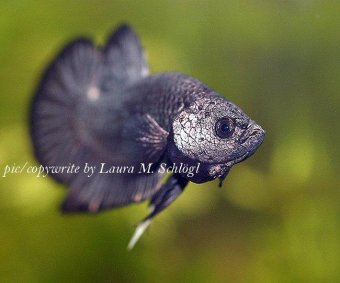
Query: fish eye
<point x="224" y="128"/>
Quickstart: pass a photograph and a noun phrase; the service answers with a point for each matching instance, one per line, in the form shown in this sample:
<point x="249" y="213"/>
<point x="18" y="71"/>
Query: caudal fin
<point x="68" y="122"/>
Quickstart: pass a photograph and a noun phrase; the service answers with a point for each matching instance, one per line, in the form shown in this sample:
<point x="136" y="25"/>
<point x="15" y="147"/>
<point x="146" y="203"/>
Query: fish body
<point x="99" y="105"/>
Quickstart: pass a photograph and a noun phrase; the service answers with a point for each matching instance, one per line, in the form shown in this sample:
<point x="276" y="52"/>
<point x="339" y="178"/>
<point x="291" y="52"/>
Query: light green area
<point x="277" y="217"/>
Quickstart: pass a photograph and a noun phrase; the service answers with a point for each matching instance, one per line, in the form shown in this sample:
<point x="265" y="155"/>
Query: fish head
<point x="215" y="133"/>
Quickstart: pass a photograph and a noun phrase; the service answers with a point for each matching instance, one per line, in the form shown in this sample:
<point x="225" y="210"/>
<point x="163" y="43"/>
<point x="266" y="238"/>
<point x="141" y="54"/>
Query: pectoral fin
<point x="149" y="138"/>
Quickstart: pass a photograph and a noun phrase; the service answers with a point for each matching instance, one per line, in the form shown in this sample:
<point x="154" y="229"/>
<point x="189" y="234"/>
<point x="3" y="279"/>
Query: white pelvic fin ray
<point x="138" y="233"/>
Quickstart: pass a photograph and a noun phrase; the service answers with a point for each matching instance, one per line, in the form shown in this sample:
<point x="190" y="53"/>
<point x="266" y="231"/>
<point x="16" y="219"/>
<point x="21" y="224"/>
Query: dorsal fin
<point x="124" y="57"/>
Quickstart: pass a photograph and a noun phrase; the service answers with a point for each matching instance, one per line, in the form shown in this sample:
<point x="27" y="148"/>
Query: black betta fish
<point x="98" y="106"/>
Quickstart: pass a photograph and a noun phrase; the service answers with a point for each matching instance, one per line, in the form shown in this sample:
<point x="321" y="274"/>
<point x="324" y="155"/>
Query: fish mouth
<point x="252" y="138"/>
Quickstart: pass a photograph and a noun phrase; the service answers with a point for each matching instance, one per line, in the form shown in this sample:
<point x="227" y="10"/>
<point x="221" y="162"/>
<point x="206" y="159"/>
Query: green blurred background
<point x="277" y="217"/>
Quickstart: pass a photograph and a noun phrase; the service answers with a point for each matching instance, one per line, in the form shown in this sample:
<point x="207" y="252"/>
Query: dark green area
<point x="277" y="217"/>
